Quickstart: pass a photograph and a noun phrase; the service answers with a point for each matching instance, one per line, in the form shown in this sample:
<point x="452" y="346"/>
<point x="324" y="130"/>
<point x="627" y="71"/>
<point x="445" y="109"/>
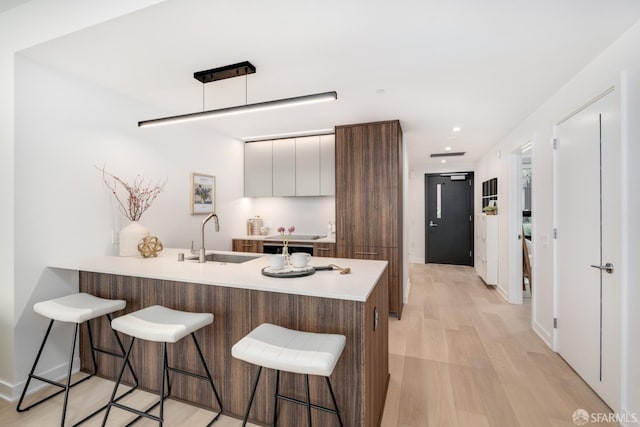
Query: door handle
<point x="608" y="267"/>
<point x="432" y="224"/>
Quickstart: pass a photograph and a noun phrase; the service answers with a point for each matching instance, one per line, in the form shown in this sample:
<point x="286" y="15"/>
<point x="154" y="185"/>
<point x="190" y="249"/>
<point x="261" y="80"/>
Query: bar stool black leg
<point x="122" y="350"/>
<point x="209" y="378"/>
<point x="162" y="376"/>
<point x="335" y="404"/>
<point x="275" y="406"/>
<point x="33" y="369"/>
<point x="253" y="393"/>
<point x="93" y="351"/>
<point x="115" y="388"/>
<point x="166" y="374"/>
<point x="68" y="385"/>
<point x="308" y="401"/>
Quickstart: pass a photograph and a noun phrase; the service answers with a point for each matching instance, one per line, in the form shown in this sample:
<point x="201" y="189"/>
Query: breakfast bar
<point x="241" y="298"/>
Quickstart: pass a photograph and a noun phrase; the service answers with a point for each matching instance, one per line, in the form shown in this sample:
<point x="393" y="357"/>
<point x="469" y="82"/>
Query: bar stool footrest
<point x="55" y="383"/>
<point x="302" y="402"/>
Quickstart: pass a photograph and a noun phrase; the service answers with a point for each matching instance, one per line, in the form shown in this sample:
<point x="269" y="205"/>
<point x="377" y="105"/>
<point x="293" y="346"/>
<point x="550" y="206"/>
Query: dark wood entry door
<point x="449" y="218"/>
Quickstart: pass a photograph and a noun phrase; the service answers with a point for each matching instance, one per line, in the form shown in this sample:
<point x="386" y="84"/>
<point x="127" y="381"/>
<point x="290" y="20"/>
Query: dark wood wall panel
<point x="369" y="196"/>
<point x="236" y="313"/>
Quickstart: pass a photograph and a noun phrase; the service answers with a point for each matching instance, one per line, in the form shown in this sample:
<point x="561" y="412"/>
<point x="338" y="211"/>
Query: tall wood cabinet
<point x="369" y="198"/>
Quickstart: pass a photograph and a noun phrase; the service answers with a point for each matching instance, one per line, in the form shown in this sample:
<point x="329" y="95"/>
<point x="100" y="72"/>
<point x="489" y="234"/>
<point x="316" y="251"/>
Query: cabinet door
<point x="242" y="245"/>
<point x="258" y="171"/>
<point x="327" y="165"/>
<point x="284" y="167"/>
<point x="368" y="185"/>
<point x="379" y="253"/>
<point x="324" y="250"/>
<point x="308" y="166"/>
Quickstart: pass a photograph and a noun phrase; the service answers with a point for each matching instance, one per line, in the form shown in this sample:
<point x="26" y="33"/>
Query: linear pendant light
<point x="235" y="70"/>
<point x="240" y="109"/>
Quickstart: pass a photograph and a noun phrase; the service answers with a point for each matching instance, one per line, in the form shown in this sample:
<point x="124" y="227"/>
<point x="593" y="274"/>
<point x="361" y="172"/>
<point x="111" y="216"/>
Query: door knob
<point x="432" y="224"/>
<point x="608" y="267"/>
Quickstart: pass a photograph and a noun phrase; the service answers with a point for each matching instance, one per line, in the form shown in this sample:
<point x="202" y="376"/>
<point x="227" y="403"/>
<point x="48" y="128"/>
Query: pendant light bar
<point x="241" y="109"/>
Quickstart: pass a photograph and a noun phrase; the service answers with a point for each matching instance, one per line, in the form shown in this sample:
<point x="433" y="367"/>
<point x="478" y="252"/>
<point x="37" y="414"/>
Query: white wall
<point x="602" y="73"/>
<point x="31" y="23"/>
<point x="63" y="127"/>
<point x="631" y="240"/>
<point x="415" y="214"/>
<point x="310" y="215"/>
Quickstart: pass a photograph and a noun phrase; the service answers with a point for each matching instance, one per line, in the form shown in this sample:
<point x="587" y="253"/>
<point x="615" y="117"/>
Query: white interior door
<point x="588" y="226"/>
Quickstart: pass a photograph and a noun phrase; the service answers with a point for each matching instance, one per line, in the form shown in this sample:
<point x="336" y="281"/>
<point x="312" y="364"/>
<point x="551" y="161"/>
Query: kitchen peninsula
<point x="241" y="298"/>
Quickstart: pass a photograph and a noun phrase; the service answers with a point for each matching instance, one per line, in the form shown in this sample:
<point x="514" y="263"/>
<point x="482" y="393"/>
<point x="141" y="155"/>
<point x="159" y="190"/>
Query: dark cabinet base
<point x="360" y="378"/>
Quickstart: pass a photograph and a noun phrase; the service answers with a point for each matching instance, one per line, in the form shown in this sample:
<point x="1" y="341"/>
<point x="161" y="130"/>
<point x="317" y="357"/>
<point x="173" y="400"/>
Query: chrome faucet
<point x="202" y="257"/>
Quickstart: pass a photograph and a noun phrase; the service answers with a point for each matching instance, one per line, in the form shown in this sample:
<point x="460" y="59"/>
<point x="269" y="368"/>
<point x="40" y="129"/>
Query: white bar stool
<point x="164" y="325"/>
<point x="75" y="308"/>
<point x="283" y="349"/>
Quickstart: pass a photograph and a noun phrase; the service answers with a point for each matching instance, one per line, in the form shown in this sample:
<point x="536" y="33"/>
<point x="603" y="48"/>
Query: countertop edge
<point x="166" y="267"/>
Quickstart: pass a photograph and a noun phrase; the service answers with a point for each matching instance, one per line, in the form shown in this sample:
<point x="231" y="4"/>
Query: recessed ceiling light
<point x="443" y="161"/>
<point x="457" y="128"/>
<point x="380" y="91"/>
<point x="447" y="148"/>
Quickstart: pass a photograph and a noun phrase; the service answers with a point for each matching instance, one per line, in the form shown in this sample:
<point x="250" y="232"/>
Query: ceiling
<point x="10" y="4"/>
<point x="481" y="65"/>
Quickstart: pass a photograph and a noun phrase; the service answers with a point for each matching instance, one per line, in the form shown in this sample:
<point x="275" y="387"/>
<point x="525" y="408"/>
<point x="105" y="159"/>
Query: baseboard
<point x="544" y="335"/>
<point x="416" y="260"/>
<point x="11" y="393"/>
<point x="5" y="391"/>
<point x="502" y="293"/>
<point x="405" y="299"/>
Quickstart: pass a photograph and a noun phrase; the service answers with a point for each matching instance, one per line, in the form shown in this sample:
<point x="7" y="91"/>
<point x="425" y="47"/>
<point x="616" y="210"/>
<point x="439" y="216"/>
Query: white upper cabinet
<point x="284" y="167"/>
<point x="327" y="165"/>
<point x="290" y="167"/>
<point x="308" y="166"/>
<point x="258" y="169"/>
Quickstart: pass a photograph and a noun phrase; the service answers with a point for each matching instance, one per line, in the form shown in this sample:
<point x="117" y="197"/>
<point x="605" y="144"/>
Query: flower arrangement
<point x="135" y="199"/>
<point x="285" y="239"/>
<point x="203" y="191"/>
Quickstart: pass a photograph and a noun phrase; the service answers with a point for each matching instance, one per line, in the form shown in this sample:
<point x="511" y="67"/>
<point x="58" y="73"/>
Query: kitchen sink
<point x="228" y="258"/>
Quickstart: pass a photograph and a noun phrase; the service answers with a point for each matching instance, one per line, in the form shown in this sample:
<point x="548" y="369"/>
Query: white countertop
<point x="355" y="286"/>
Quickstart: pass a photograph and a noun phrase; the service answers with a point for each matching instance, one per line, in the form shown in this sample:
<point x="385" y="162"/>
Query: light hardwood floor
<point x="460" y="357"/>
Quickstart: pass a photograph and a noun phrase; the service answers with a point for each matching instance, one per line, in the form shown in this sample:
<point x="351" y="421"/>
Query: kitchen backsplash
<point x="309" y="215"/>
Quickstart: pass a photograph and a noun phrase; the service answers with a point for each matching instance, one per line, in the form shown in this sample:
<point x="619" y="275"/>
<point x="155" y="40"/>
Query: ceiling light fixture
<point x="447" y="148"/>
<point x="457" y="128"/>
<point x="443" y="161"/>
<point x="449" y="154"/>
<point x="235" y="70"/>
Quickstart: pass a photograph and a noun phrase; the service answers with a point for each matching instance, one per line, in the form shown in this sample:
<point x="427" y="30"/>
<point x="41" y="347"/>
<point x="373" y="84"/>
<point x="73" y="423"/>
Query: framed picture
<point x="203" y="194"/>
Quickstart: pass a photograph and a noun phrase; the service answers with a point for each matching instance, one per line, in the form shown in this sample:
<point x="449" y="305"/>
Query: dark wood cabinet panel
<point x="324" y="250"/>
<point x="368" y="177"/>
<point x="369" y="196"/>
<point x="360" y="378"/>
<point x="372" y="252"/>
<point x="247" y="245"/>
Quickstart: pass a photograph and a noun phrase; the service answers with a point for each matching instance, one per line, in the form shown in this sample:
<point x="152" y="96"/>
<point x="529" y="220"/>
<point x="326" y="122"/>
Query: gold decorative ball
<point x="150" y="246"/>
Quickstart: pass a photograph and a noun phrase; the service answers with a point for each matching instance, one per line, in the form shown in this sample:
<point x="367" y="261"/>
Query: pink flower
<point x="280" y="229"/>
<point x="291" y="229"/>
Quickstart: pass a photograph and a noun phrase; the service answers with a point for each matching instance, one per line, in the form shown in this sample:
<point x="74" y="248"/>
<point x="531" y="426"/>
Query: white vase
<point x="130" y="235"/>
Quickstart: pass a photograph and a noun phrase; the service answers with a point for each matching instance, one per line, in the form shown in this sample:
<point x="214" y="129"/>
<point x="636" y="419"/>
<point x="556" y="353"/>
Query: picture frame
<point x="203" y="194"/>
